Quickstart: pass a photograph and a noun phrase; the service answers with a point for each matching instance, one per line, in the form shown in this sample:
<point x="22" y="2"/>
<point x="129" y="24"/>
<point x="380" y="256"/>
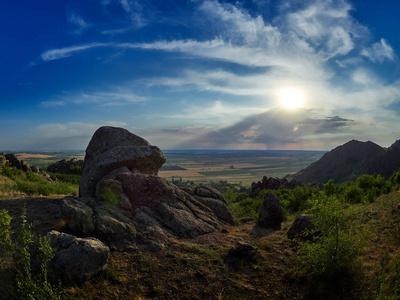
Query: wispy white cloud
<point x="54" y="54"/>
<point x="379" y="52"/>
<point x="326" y="25"/>
<point x="115" y="97"/>
<point x="78" y="23"/>
<point x="304" y="47"/>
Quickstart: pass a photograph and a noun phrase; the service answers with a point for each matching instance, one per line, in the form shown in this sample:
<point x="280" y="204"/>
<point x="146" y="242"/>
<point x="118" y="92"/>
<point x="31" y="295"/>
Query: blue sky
<point x="200" y="74"/>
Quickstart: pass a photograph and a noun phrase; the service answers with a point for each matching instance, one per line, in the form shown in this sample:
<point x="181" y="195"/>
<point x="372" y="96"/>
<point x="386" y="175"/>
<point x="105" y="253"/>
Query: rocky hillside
<point x="348" y="161"/>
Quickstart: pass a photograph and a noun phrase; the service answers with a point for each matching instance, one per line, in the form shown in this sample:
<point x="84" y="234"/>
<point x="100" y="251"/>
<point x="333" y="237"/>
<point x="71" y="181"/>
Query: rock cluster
<point x="122" y="199"/>
<point x="273" y="184"/>
<point x="20" y="164"/>
<point x="72" y="166"/>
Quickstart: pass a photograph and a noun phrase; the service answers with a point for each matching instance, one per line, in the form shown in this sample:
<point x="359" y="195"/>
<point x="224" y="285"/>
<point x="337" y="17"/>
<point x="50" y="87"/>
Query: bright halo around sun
<point x="291" y="98"/>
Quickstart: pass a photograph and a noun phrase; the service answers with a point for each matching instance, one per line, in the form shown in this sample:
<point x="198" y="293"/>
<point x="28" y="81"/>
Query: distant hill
<point x="348" y="161"/>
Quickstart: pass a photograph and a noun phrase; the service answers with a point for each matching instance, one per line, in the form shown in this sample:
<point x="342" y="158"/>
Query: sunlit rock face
<point x="122" y="198"/>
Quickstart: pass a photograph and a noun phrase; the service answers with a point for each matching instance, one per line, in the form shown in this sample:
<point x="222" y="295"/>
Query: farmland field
<point x="233" y="166"/>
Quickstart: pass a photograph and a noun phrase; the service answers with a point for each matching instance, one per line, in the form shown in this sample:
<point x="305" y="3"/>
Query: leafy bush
<point x="367" y="182"/>
<point x="28" y="285"/>
<point x="11" y="172"/>
<point x="76" y="170"/>
<point x="247" y="208"/>
<point x="353" y="194"/>
<point x="339" y="244"/>
<point x="67" y="178"/>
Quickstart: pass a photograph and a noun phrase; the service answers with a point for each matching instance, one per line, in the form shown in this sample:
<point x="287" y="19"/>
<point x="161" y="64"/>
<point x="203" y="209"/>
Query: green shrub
<point x="11" y="172"/>
<point x="28" y="285"/>
<point x="368" y="182"/>
<point x="247" y="208"/>
<point x="330" y="188"/>
<point x="339" y="243"/>
<point x="76" y="170"/>
<point x="68" y="178"/>
<point x="353" y="194"/>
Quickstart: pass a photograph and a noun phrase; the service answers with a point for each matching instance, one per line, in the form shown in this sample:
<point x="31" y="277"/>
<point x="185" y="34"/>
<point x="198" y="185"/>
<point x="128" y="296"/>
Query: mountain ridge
<point x="350" y="160"/>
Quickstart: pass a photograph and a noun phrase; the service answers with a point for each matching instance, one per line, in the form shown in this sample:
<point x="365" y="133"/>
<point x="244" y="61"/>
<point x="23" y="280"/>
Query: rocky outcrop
<point x="19" y="164"/>
<point x="111" y="148"/>
<point x="72" y="167"/>
<point x="122" y="199"/>
<point x="76" y="259"/>
<point x="273" y="184"/>
<point x="271" y="213"/>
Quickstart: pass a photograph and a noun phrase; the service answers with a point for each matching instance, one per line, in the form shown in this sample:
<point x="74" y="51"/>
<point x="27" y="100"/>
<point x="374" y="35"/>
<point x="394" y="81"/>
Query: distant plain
<point x="200" y="166"/>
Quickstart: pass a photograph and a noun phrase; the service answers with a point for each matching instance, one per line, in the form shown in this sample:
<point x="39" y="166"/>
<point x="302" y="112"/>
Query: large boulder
<point x="111" y="148"/>
<point x="123" y="201"/>
<point x="76" y="259"/>
<point x="303" y="229"/>
<point x="271" y="212"/>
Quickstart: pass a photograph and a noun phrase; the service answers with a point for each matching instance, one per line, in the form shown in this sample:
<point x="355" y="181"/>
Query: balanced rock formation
<point x="75" y="259"/>
<point x="111" y="148"/>
<point x="122" y="199"/>
<point x="271" y="213"/>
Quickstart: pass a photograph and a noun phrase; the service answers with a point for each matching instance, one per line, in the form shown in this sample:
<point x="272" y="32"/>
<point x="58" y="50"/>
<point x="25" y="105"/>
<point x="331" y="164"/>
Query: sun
<point x="291" y="98"/>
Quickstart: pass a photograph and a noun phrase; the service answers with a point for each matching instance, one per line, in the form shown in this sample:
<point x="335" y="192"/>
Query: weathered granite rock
<point x="303" y="229"/>
<point x="171" y="207"/>
<point x="127" y="201"/>
<point x="79" y="216"/>
<point x="209" y="192"/>
<point x="76" y="260"/>
<point x="35" y="169"/>
<point x="13" y="160"/>
<point x="111" y="148"/>
<point x="271" y="213"/>
<point x="88" y="216"/>
<point x="243" y="250"/>
<point x="213" y="199"/>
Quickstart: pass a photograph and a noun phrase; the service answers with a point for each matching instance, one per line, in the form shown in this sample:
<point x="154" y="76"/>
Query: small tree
<point x="339" y="245"/>
<point x="18" y="252"/>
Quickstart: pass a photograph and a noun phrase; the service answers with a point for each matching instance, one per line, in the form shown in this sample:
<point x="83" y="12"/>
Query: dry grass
<point x="199" y="268"/>
<point x="23" y="156"/>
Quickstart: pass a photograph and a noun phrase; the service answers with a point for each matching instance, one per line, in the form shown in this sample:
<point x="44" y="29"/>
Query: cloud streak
<point x="116" y="97"/>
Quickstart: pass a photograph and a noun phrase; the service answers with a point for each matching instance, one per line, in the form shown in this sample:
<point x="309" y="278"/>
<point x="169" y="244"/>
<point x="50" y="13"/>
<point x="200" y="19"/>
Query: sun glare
<point x="291" y="98"/>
